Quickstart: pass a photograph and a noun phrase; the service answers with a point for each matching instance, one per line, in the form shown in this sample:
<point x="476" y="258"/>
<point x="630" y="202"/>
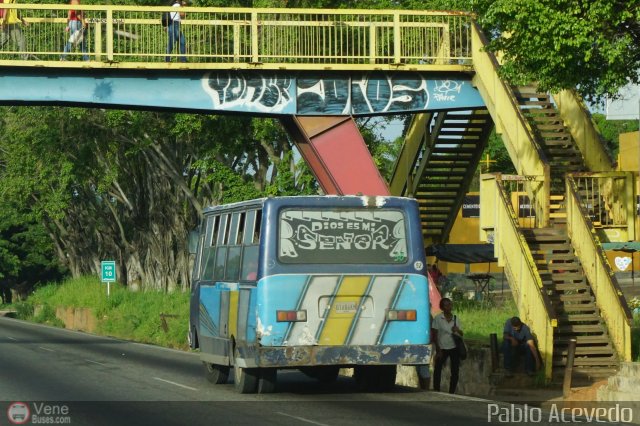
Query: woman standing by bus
<point x="445" y="324"/>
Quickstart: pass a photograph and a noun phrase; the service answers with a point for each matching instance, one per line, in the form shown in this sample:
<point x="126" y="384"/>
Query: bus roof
<point x="313" y="200"/>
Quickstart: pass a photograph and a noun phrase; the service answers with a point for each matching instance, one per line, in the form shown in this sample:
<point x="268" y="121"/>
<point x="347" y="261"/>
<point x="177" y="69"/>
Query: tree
<point x="129" y="185"/>
<point x="593" y="46"/>
<point x="611" y="130"/>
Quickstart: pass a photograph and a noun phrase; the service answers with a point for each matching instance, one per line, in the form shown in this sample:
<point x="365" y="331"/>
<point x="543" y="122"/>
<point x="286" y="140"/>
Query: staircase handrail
<point x="403" y="169"/>
<point x="528" y="157"/>
<point x="578" y="119"/>
<point x="607" y="291"/>
<point x="513" y="253"/>
<point x="627" y="197"/>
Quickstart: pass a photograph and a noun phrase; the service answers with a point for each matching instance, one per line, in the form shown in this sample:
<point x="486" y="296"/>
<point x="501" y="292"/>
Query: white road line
<point x="96" y="362"/>
<point x="46" y="349"/>
<point x="302" y="419"/>
<point x="176" y="384"/>
<point x="11" y="338"/>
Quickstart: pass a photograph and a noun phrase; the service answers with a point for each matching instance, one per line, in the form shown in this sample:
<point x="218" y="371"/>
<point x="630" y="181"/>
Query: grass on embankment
<point x="124" y="314"/>
<point x="136" y="315"/>
<point x="480" y="319"/>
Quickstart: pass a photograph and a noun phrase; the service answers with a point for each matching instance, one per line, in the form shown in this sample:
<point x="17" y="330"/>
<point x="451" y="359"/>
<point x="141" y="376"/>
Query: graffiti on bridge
<point x="337" y="94"/>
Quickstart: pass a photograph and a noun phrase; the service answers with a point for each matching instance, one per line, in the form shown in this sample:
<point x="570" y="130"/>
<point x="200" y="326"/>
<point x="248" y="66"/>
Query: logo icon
<point x="18" y="413"/>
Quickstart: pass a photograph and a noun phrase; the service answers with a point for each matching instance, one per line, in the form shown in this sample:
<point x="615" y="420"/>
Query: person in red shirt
<point x="76" y="30"/>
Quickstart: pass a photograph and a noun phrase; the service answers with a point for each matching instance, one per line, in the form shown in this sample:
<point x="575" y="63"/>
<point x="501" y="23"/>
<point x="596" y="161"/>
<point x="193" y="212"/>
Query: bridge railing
<point x="610" y="201"/>
<point x="518" y="136"/>
<point x="243" y="37"/>
<point x="500" y="225"/>
<point x="609" y="296"/>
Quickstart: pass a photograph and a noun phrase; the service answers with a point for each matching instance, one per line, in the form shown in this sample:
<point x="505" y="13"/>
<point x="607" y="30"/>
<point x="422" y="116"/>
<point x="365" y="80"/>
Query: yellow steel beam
<point x="609" y="297"/>
<point x="577" y="118"/>
<point x="525" y="152"/>
<point x="403" y="173"/>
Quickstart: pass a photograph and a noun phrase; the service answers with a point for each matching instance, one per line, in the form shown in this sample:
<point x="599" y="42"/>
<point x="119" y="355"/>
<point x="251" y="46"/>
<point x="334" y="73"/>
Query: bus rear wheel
<point x="216" y="374"/>
<point x="267" y="381"/>
<point x="324" y="373"/>
<point x="375" y="378"/>
<point x="245" y="379"/>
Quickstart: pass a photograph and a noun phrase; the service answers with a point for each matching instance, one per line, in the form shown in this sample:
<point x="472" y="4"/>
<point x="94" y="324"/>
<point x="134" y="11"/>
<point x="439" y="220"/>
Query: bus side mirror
<point x="193" y="241"/>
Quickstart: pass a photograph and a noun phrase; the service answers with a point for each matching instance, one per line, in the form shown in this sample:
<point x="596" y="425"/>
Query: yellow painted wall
<point x="629" y="161"/>
<point x="466" y="230"/>
<point x="629" y="157"/>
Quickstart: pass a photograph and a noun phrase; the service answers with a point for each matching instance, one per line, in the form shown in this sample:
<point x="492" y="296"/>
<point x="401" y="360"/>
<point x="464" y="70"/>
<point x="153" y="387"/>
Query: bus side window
<point x="232" y="237"/>
<point x="249" y="225"/>
<point x="199" y="258"/>
<point x="233" y="263"/>
<point x="241" y="226"/>
<point x="222" y="230"/>
<point x="221" y="257"/>
<point x="250" y="263"/>
<point x="221" y="251"/>
<point x="209" y="251"/>
<point x="257" y="230"/>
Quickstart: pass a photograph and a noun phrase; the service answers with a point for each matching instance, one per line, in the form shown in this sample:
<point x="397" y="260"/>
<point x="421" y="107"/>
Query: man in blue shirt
<point x="518" y="340"/>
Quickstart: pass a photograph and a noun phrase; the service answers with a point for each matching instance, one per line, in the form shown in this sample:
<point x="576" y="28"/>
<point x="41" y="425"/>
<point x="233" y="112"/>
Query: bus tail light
<point x="401" y="315"/>
<point x="291" y="316"/>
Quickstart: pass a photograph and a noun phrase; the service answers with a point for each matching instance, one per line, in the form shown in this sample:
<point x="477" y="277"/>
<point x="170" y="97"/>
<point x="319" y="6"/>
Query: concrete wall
<point x="624" y="386"/>
<point x="474" y="374"/>
<point x="81" y="319"/>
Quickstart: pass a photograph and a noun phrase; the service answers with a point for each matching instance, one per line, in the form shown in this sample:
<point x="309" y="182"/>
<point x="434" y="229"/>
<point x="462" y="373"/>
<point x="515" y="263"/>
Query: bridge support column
<point x="335" y="151"/>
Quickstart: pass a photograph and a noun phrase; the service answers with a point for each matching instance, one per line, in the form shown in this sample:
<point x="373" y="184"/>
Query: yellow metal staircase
<point x="437" y="163"/>
<point x="549" y="139"/>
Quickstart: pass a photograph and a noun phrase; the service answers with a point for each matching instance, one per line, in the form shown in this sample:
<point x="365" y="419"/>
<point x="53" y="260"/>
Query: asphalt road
<point x="91" y="380"/>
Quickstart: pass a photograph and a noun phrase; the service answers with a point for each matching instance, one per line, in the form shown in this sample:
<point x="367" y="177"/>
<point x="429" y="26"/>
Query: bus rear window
<point x="349" y="236"/>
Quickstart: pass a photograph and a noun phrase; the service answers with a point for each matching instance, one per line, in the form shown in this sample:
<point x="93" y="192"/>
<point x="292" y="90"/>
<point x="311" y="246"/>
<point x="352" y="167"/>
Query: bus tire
<point x="325" y="374"/>
<point x="245" y="379"/>
<point x="366" y="379"/>
<point x="216" y="374"/>
<point x="386" y="377"/>
<point x="375" y="378"/>
<point x="268" y="380"/>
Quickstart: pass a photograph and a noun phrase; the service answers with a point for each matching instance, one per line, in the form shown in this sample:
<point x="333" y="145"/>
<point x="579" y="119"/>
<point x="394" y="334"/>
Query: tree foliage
<point x="593" y="46"/>
<point x="610" y="131"/>
<point x="129" y="185"/>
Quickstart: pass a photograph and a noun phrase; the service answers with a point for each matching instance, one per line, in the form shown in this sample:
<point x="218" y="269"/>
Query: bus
<point x="315" y="283"/>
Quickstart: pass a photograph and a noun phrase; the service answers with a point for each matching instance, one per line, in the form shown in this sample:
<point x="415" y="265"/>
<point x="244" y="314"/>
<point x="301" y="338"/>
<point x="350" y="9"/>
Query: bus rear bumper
<point x="305" y="356"/>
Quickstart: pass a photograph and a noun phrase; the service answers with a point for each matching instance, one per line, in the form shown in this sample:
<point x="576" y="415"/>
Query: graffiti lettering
<point x="444" y="98"/>
<point x="310" y="240"/>
<point x="323" y="95"/>
<point x="254" y="93"/>
<point x="104" y="21"/>
<point x="334" y="94"/>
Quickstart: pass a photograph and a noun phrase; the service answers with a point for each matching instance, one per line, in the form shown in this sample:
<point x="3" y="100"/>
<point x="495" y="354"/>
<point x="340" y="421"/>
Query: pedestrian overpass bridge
<point x="316" y="69"/>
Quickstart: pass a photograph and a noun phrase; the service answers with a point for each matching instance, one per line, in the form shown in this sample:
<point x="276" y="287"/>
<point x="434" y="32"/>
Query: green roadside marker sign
<point x="108" y="271"/>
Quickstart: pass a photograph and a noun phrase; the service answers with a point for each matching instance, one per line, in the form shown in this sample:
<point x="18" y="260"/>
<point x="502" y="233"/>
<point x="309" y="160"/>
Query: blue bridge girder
<point x="260" y="92"/>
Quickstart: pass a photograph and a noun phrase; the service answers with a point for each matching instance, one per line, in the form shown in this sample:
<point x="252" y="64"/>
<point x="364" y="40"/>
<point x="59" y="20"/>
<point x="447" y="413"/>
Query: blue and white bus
<point x="314" y="283"/>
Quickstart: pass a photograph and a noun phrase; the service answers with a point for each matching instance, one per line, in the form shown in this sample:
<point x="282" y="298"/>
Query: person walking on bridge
<point x="75" y="27"/>
<point x="10" y="21"/>
<point x="174" y="32"/>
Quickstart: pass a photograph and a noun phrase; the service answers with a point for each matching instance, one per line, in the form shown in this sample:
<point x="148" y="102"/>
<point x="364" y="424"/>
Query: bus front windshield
<point x="345" y="236"/>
